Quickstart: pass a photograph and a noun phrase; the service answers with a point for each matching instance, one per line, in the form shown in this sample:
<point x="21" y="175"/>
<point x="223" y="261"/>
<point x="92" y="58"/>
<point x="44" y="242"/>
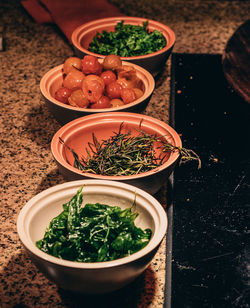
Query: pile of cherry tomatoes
<point x="89" y="84"/>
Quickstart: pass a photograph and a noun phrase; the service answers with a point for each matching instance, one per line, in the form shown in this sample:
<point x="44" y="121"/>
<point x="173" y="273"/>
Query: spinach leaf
<point x="93" y="233"/>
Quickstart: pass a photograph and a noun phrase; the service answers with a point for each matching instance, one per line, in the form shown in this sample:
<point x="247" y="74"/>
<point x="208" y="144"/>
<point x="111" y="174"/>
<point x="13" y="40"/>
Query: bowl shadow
<point x="23" y="286"/>
<point x="51" y="179"/>
<point x="40" y="125"/>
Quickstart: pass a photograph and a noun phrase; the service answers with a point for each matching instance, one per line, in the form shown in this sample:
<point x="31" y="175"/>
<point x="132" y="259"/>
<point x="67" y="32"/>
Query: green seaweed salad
<point x="127" y="41"/>
<point x="93" y="233"/>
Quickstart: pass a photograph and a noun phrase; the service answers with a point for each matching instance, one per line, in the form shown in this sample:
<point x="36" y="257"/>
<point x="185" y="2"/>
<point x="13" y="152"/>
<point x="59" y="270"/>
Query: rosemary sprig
<point x="185" y="154"/>
<point x="123" y="154"/>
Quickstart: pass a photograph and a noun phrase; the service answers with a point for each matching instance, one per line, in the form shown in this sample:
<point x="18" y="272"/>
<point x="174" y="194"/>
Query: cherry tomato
<point x="138" y="92"/>
<point x="128" y="95"/>
<point x="86" y="85"/>
<point x="103" y="102"/>
<point x="114" y="90"/>
<point x="73" y="79"/>
<point x="111" y="62"/>
<point x="78" y="99"/>
<point x="72" y="62"/>
<point x="62" y="94"/>
<point x="93" y="87"/>
<point x="127" y="77"/>
<point x="91" y="65"/>
<point x="108" y="77"/>
<point x="116" y="102"/>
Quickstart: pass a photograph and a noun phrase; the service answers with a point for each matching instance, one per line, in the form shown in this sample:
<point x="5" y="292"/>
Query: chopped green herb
<point x="128" y="41"/>
<point x="93" y="233"/>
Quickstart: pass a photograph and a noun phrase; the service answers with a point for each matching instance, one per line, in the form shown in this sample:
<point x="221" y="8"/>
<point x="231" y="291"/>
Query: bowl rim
<point x="156" y="239"/>
<point x="170" y="43"/>
<point x="56" y="70"/>
<point x="57" y="146"/>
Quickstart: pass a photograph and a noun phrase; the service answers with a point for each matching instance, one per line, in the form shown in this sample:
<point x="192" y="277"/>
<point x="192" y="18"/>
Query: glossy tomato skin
<point x="91" y="65"/>
<point x="138" y="92"/>
<point x="116" y="102"/>
<point x="93" y="87"/>
<point x="78" y="99"/>
<point x="111" y="62"/>
<point x="73" y="79"/>
<point x="128" y="95"/>
<point x="103" y="102"/>
<point x="108" y="77"/>
<point x="114" y="90"/>
<point x="72" y="62"/>
<point x="62" y="95"/>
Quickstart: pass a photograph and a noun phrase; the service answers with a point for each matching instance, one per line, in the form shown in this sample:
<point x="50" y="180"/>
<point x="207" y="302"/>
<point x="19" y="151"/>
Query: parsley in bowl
<point x="144" y="42"/>
<point x="128" y="40"/>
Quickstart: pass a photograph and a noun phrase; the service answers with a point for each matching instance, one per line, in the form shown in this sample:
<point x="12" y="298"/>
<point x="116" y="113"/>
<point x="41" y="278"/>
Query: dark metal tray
<point x="210" y="225"/>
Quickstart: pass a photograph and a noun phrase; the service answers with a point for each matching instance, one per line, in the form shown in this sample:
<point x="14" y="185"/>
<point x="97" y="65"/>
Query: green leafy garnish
<point x="93" y="233"/>
<point x="127" y="41"/>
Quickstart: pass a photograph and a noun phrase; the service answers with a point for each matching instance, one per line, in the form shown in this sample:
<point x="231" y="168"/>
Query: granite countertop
<point x="26" y="129"/>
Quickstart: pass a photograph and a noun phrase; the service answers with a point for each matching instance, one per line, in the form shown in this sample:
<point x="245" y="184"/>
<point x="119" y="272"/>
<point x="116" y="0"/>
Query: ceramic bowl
<point x="154" y="62"/>
<point x="64" y="113"/>
<point x="78" y="133"/>
<point x="99" y="277"/>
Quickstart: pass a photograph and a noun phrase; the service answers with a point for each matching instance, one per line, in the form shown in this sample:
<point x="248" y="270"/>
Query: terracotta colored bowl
<point x="99" y="277"/>
<point x="64" y="113"/>
<point x="154" y="62"/>
<point x="78" y="133"/>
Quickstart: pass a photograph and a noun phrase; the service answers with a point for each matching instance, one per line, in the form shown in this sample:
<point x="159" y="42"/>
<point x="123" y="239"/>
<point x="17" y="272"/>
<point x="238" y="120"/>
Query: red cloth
<point x="69" y="14"/>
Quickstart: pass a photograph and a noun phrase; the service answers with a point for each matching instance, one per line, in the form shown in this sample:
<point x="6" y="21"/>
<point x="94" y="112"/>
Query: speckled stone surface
<point x="26" y="129"/>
